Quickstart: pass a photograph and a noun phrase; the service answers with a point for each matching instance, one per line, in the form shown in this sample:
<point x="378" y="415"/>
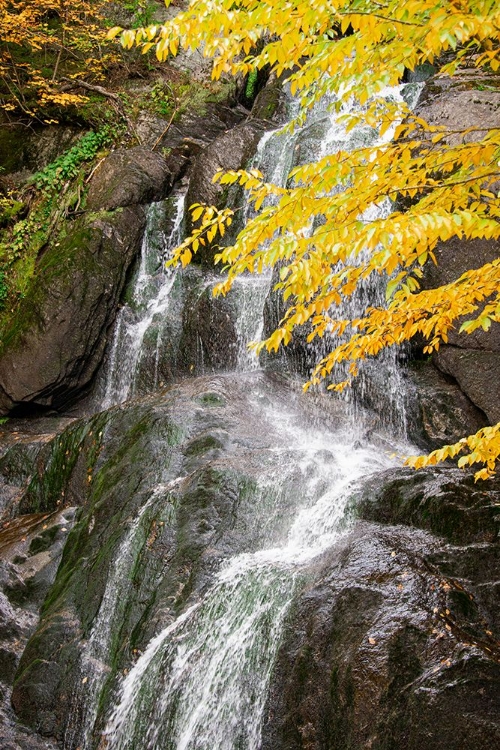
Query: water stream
<point x="149" y="303"/>
<point x="201" y="683"/>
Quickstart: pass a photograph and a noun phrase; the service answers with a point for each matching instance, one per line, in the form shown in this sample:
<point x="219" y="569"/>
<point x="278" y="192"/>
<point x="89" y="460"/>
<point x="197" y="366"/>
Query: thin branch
<point x="163" y="134"/>
<point x="78" y="83"/>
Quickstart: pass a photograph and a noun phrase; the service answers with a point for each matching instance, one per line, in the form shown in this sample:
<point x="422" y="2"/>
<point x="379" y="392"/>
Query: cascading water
<point x="150" y="300"/>
<point x="201" y="683"/>
<point x="93" y="669"/>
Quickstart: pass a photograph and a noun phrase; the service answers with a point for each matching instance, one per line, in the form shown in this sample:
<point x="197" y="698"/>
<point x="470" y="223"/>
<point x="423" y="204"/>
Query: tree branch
<point x="78" y="83"/>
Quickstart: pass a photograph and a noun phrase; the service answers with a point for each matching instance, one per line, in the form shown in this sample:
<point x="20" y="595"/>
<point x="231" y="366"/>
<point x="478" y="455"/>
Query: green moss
<point x="77" y="447"/>
<point x="211" y="399"/>
<point x="59" y="187"/>
<point x="43" y="541"/>
<point x="194" y="97"/>
<point x="202" y="445"/>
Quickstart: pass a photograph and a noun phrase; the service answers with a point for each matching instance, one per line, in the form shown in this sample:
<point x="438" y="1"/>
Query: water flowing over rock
<point x="225" y="562"/>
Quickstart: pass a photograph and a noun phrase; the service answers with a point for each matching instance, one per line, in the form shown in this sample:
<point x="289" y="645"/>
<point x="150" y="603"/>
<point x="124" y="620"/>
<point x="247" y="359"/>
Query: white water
<point x="201" y="683"/>
<point x="93" y="667"/>
<point x="135" y="319"/>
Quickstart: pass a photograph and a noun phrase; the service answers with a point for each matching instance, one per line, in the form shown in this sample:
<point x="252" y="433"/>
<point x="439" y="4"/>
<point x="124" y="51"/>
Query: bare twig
<point x="94" y="170"/>
<point x="114" y="98"/>
<point x="78" y="83"/>
<point x="160" y="138"/>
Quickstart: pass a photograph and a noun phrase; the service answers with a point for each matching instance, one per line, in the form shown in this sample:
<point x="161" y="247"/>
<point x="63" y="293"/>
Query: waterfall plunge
<point x="201" y="683"/>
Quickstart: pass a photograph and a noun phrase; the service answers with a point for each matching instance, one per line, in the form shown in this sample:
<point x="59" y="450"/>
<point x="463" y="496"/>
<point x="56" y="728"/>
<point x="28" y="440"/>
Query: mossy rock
<point x="56" y="340"/>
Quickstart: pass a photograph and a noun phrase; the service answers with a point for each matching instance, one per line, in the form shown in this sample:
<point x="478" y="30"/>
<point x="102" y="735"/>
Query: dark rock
<point x="269" y="103"/>
<point x="231" y="150"/>
<point x="197" y="334"/>
<point x="393" y="644"/>
<point x="299" y="356"/>
<point x="56" y="339"/>
<point x="30" y="550"/>
<point x="26" y="150"/>
<point x="194" y="129"/>
<point x="127" y="178"/>
<point x="209" y="339"/>
<point x="438" y="412"/>
<point x="478" y="373"/>
<point x="444" y="501"/>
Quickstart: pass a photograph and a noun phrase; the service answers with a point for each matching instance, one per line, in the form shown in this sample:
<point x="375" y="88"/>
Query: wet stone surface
<point x="394" y="641"/>
<point x="30" y="551"/>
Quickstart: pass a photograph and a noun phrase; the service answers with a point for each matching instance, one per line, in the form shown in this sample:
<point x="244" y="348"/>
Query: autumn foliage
<point x="448" y="181"/>
<point x="42" y="41"/>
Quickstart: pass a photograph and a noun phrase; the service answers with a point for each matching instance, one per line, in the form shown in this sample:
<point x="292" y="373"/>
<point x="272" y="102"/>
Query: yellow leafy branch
<point x="314" y="230"/>
<point x="483" y="448"/>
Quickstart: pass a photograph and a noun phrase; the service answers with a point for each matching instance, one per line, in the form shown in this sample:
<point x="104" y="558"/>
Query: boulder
<point x="477" y="371"/>
<point x="129" y="177"/>
<point x="392" y="641"/>
<point x="56" y="339"/>
<point x="438" y="412"/>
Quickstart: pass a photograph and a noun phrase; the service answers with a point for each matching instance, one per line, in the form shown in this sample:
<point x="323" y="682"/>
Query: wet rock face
<point x="231" y="150"/>
<point x="390" y="643"/>
<point x="209" y="340"/>
<point x="30" y="550"/>
<point x="185" y="463"/>
<point x="57" y="338"/>
<point x="472" y="360"/>
<point x="393" y="643"/>
<point x="477" y="372"/>
<point x="438" y="411"/>
<point x="126" y="178"/>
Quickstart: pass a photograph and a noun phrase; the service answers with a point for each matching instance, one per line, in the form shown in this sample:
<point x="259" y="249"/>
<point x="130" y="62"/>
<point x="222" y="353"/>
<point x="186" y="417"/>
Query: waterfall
<point x="150" y="299"/>
<point x="93" y="669"/>
<point x="201" y="683"/>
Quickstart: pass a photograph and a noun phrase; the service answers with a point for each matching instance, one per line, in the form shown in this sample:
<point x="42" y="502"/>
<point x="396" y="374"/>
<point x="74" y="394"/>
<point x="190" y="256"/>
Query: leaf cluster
<point x="66" y="167"/>
<point x="41" y="41"/>
<point x="321" y="230"/>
